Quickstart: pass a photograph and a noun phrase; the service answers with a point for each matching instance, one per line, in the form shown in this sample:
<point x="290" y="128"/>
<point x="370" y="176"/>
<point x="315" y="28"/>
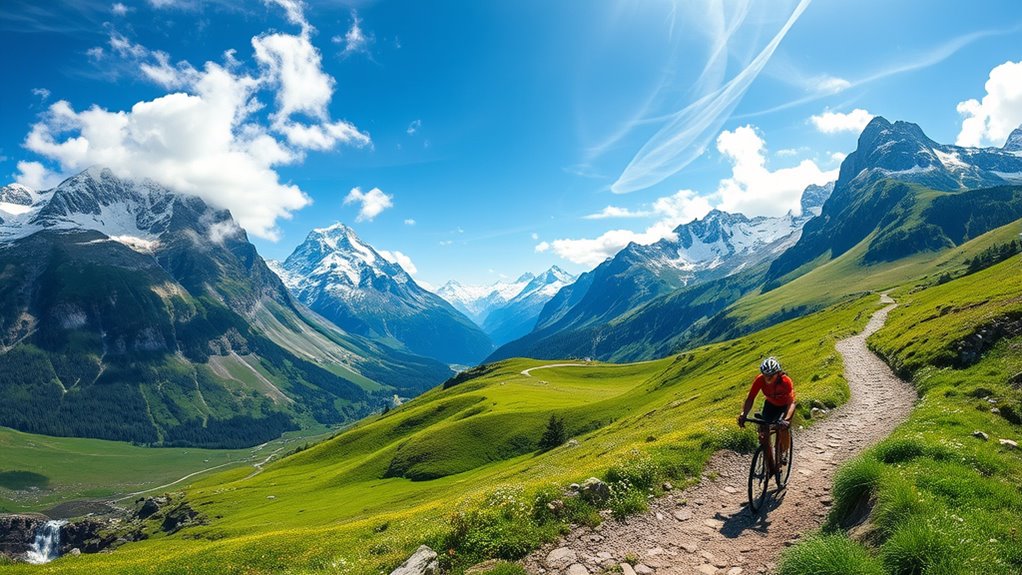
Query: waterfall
<point x="46" y="546"/>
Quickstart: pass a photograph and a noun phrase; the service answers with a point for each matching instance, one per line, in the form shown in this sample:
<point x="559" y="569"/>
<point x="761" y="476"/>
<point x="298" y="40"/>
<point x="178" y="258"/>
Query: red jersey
<point x="780" y="393"/>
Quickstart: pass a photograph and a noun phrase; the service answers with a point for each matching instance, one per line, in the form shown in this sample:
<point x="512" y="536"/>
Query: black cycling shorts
<point x="773" y="412"/>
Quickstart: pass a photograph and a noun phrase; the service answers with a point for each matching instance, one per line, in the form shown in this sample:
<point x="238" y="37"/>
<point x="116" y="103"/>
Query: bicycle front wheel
<point x="759" y="481"/>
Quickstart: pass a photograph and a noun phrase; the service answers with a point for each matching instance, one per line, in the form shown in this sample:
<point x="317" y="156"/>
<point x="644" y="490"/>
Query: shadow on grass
<point x="22" y="480"/>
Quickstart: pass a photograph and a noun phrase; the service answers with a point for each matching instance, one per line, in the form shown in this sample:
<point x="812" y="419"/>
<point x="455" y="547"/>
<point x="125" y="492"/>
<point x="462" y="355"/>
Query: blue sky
<point x="486" y="139"/>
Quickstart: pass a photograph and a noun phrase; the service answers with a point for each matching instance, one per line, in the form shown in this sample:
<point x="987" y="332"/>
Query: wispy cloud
<point x="918" y="61"/>
<point x="616" y="212"/>
<point x="687" y="133"/>
<point x="355" y="40"/>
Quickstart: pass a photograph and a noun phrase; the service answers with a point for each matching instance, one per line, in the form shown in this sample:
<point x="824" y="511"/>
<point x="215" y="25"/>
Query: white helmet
<point x="770" y="366"/>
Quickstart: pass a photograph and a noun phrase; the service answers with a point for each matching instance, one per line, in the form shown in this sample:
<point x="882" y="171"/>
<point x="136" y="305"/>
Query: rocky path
<point x="706" y="529"/>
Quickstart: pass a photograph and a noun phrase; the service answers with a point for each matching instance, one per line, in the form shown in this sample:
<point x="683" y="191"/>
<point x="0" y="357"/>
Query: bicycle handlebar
<point x="764" y="422"/>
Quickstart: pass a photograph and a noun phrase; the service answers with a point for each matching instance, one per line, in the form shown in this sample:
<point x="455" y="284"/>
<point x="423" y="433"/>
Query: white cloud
<point x="838" y="157"/>
<point x="833" y="122"/>
<point x="36" y="176"/>
<point x="414" y="127"/>
<point x="400" y="259"/>
<point x="205" y="138"/>
<point x="682" y="207"/>
<point x="615" y="212"/>
<point x="355" y="40"/>
<point x="409" y="222"/>
<point x="534" y="236"/>
<point x="372" y="202"/>
<point x="119" y="9"/>
<point x="95" y="53"/>
<point x="753" y="189"/>
<point x="43" y="93"/>
<point x="990" y="121"/>
<point x="295" y="65"/>
<point x="592" y="252"/>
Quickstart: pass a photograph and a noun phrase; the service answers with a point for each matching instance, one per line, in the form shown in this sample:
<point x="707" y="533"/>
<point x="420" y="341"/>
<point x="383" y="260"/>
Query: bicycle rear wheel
<point x="785" y="471"/>
<point x="759" y="481"/>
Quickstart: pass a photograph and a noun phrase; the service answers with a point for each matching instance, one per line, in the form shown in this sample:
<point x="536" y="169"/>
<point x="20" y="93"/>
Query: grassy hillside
<point x="939" y="499"/>
<point x="848" y="276"/>
<point x="460" y="467"/>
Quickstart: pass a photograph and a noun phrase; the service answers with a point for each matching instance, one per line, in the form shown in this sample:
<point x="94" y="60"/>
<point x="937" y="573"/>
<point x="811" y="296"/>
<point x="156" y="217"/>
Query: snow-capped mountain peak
<point x="133" y="212"/>
<point x="336" y="258"/>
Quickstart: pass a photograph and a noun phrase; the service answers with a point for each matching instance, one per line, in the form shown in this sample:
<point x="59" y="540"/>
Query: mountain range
<point x="714" y="247"/>
<point x="132" y="312"/>
<point x="900" y="190"/>
<point x="507" y="310"/>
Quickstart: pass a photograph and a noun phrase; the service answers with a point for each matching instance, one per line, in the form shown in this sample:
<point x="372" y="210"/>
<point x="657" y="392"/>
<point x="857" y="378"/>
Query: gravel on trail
<point x="707" y="529"/>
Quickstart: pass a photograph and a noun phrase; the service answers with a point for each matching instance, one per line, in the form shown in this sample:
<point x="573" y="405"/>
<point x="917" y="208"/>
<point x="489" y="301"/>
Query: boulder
<point x="560" y="558"/>
<point x="17" y="532"/>
<point x="595" y="491"/>
<point x="1008" y="443"/>
<point x="150" y="505"/>
<point x="422" y="562"/>
<point x="980" y="435"/>
<point x="577" y="569"/>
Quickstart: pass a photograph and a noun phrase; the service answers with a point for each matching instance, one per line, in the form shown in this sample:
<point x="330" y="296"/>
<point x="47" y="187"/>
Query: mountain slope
<point x="118" y="321"/>
<point x="862" y="202"/>
<point x="518" y="316"/>
<point x="345" y="280"/>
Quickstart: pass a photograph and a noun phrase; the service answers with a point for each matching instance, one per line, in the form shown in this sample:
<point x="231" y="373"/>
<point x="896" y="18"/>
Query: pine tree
<point x="554" y="434"/>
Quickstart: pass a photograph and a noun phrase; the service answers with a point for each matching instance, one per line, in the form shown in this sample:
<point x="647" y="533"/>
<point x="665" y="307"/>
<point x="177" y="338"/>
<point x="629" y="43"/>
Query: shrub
<point x="854" y="484"/>
<point x="918" y="548"/>
<point x="639" y="471"/>
<point x="626" y="500"/>
<point x="501" y="528"/>
<point x="828" y="555"/>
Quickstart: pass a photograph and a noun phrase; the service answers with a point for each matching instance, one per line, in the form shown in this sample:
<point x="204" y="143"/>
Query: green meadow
<point x="459" y="468"/>
<point x="38" y="472"/>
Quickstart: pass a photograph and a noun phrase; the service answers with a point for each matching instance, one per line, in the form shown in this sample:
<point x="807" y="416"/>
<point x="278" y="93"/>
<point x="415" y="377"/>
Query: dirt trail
<point x="706" y="529"/>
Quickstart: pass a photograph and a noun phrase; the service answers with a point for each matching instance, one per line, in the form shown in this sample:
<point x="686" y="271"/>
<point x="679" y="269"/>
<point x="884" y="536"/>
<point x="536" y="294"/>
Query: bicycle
<point x="759" y="478"/>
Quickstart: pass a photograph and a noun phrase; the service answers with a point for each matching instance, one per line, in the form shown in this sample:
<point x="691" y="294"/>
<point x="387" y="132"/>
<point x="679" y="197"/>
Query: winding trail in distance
<point x="706" y="529"/>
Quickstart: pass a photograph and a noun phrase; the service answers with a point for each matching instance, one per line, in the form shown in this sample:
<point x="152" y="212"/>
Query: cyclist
<point x="779" y="406"/>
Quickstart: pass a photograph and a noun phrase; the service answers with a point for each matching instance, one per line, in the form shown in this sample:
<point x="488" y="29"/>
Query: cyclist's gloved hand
<point x="785" y="423"/>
